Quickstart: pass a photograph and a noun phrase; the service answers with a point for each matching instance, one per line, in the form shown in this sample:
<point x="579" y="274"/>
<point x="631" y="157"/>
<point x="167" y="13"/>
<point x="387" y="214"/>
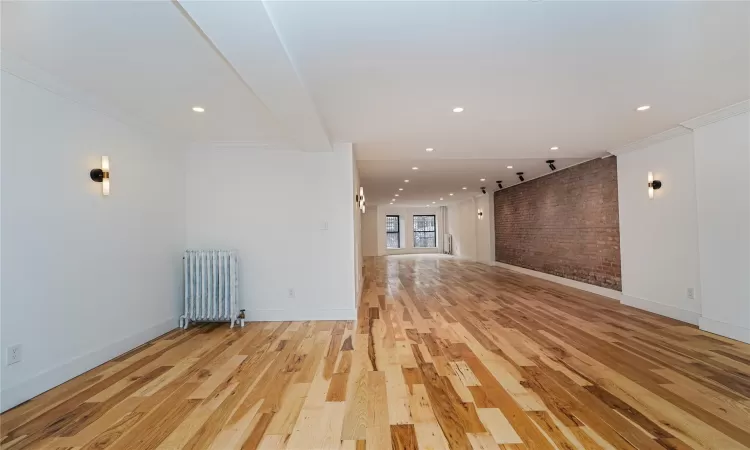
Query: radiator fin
<point x="211" y="285"/>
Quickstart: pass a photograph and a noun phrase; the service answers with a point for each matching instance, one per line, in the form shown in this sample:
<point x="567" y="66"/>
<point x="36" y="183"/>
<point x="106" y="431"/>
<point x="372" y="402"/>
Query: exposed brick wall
<point x="564" y="224"/>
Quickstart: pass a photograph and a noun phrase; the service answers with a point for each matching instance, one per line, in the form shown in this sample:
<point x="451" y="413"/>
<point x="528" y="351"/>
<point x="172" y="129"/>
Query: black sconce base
<point x="97" y="175"/>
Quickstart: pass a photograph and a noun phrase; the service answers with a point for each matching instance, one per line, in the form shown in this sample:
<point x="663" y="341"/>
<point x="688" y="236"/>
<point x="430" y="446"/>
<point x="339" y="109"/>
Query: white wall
<point x="462" y="218"/>
<point x="485" y="228"/>
<point x="370" y="231"/>
<point x="357" y="233"/>
<point x="291" y="216"/>
<point x="473" y="238"/>
<point x="696" y="231"/>
<point x="722" y="155"/>
<point x="84" y="277"/>
<point x="407" y="215"/>
<point x="659" y="237"/>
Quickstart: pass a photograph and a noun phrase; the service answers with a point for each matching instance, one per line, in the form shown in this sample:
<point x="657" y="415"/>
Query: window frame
<point x="397" y="232"/>
<point x="424" y="231"/>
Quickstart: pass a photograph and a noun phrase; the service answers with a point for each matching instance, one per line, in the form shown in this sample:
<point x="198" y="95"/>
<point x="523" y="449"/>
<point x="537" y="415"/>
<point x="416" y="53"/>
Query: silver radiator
<point x="447" y="244"/>
<point x="211" y="287"/>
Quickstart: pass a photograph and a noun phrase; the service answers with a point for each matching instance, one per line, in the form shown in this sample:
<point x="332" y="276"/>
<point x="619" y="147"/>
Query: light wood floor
<point x="445" y="354"/>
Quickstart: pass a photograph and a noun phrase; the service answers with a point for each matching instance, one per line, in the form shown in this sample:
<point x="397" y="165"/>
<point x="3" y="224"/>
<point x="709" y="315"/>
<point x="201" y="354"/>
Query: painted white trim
<point x="44" y="381"/>
<point x="661" y="309"/>
<point x="725" y="329"/>
<point x="300" y="315"/>
<point x="359" y="291"/>
<point x="611" y="293"/>
<point x="651" y="140"/>
<point x="716" y="116"/>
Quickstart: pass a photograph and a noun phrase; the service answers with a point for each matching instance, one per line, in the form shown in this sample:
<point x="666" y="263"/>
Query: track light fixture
<point x="484" y="190"/>
<point x="551" y="163"/>
<point x="520" y="175"/>
<point x="499" y="184"/>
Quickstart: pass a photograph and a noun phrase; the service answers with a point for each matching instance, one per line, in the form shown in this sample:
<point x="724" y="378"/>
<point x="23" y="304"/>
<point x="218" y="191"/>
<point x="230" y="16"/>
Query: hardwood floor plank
<point x="446" y="354"/>
<point x="403" y="437"/>
<point x="378" y="427"/>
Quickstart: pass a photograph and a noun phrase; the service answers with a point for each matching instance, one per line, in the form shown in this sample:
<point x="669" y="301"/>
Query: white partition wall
<point x="722" y="156"/>
<point x="686" y="252"/>
<point x="473" y="237"/>
<point x="659" y="237"/>
<point x="291" y="216"/>
<point x="84" y="277"/>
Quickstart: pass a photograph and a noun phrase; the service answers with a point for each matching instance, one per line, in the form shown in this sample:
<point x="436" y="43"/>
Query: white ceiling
<point x="143" y="58"/>
<point x="437" y="178"/>
<point x="386" y="75"/>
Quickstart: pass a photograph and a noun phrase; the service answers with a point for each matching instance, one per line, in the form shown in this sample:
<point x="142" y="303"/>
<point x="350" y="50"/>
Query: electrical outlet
<point x="14" y="354"/>
<point x="691" y="293"/>
<point x="291" y="293"/>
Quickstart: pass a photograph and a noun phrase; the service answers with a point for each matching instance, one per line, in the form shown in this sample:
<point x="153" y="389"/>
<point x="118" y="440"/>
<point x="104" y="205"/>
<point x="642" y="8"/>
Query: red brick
<point x="564" y="224"/>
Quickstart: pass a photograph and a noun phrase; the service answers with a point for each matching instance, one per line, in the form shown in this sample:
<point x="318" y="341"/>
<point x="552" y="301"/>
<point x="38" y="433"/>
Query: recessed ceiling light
<point x="451" y="193"/>
<point x="433" y="203"/>
<point x="415" y="168"/>
<point x="481" y="179"/>
<point x="198" y="109"/>
<point x="395" y="195"/>
<point x="464" y="188"/>
<point x="429" y="149"/>
<point x="391" y="203"/>
<point x="643" y="108"/>
<point x="400" y="189"/>
<point x="510" y="167"/>
<point x="458" y="109"/>
<point x="554" y="148"/>
<point x="441" y="199"/>
<point x="406" y="181"/>
<point x="393" y="199"/>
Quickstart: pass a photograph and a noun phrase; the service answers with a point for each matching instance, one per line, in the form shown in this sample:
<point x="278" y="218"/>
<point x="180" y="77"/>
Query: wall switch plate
<point x="291" y="293"/>
<point x="691" y="293"/>
<point x="14" y="354"/>
<point x="324" y="226"/>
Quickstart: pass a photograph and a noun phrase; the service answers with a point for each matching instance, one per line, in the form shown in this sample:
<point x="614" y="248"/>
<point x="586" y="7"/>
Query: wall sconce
<point x="499" y="184"/>
<point x="102" y="175"/>
<point x="480" y="214"/>
<point x="520" y="175"/>
<point x="360" y="199"/>
<point x="551" y="163"/>
<point x="484" y="189"/>
<point x="652" y="184"/>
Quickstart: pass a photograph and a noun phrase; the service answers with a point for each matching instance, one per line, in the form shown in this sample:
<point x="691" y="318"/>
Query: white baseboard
<point x="44" y="381"/>
<point x="282" y="315"/>
<point x="359" y="292"/>
<point x="735" y="332"/>
<point x="661" y="309"/>
<point x="611" y="293"/>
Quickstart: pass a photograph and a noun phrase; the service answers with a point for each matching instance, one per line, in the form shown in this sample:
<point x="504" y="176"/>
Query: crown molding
<point x="685" y="127"/>
<point x="651" y="140"/>
<point x="716" y="116"/>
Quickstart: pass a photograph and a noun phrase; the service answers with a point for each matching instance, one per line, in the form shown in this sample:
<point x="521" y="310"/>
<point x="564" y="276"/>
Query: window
<point x="392" y="232"/>
<point x="424" y="232"/>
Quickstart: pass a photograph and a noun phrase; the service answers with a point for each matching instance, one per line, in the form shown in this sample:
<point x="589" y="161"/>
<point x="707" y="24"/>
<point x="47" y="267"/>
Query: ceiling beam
<point x="245" y="37"/>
